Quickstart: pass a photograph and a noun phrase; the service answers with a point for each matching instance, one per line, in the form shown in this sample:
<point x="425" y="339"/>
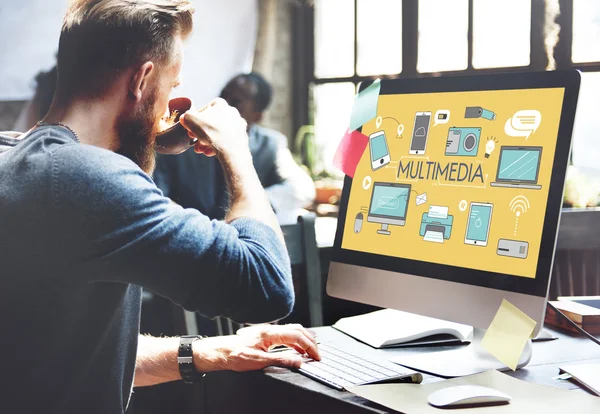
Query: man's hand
<point x="249" y="350"/>
<point x="219" y="128"/>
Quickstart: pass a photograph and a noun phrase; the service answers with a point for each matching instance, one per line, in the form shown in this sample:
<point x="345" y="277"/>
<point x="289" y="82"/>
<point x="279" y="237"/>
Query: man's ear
<point x="139" y="80"/>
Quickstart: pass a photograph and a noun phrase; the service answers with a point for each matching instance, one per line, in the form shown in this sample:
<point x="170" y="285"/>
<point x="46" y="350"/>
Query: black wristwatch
<point x="185" y="359"/>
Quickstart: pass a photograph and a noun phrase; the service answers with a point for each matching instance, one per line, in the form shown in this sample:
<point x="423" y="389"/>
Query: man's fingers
<point x="310" y="335"/>
<point x="298" y="341"/>
<point x="281" y="359"/>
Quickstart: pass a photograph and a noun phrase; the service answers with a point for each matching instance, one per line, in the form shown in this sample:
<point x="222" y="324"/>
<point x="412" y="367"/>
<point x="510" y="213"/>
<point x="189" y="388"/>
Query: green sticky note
<point x="365" y="106"/>
<point x="508" y="333"/>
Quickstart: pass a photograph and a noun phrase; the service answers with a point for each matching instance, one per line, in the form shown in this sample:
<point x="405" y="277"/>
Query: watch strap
<point x="185" y="359"/>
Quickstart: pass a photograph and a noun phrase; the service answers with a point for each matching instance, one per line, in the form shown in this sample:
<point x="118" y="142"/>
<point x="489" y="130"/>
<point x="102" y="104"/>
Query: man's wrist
<point x="207" y="357"/>
<point x="240" y="174"/>
<point x="236" y="161"/>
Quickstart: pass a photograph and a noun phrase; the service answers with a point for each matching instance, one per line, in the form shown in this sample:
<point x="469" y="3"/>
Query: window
<point x="443" y="43"/>
<point x="501" y="35"/>
<point x="333" y="106"/>
<point x="357" y="40"/>
<point x="379" y="35"/>
<point x="334" y="38"/>
<point x="586" y="31"/>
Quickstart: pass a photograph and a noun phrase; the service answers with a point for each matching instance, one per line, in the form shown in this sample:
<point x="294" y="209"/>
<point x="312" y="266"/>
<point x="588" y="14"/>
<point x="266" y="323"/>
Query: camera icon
<point x="463" y="141"/>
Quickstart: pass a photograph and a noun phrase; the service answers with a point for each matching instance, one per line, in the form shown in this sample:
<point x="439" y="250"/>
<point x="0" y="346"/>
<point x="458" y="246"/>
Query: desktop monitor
<point x="389" y="203"/>
<point x="488" y="187"/>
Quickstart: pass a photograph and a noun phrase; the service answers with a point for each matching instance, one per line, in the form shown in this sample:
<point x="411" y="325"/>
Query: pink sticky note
<point x="350" y="151"/>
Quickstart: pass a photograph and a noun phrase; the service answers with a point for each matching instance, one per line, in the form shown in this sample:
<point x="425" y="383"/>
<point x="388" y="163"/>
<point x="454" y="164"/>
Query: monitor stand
<point x="460" y="361"/>
<point x="384" y="230"/>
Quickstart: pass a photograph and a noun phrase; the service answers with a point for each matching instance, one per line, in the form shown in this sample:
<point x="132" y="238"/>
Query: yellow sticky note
<point x="508" y="333"/>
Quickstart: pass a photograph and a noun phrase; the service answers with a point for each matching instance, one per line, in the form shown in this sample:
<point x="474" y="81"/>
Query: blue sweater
<point x="81" y="230"/>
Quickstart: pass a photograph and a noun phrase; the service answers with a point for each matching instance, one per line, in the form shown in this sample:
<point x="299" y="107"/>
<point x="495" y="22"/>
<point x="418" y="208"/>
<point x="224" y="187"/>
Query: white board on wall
<point x="221" y="46"/>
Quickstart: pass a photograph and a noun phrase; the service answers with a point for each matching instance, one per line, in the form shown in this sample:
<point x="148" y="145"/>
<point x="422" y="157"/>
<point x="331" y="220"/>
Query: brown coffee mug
<point x="175" y="139"/>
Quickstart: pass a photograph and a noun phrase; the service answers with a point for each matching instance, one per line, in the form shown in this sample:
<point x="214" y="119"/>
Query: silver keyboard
<point x="340" y="369"/>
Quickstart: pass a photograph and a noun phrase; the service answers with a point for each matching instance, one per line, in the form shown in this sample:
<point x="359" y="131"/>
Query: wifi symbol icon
<point x="519" y="205"/>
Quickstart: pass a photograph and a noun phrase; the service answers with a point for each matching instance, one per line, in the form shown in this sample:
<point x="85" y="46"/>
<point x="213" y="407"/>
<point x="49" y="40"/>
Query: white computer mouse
<point x="467" y="394"/>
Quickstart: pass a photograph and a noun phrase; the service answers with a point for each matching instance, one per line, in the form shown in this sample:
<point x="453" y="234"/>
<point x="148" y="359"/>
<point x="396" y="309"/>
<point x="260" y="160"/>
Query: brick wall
<point x="273" y="59"/>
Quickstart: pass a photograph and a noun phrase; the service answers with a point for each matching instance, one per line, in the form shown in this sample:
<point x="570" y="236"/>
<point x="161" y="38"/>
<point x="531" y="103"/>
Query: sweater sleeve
<point x="120" y="228"/>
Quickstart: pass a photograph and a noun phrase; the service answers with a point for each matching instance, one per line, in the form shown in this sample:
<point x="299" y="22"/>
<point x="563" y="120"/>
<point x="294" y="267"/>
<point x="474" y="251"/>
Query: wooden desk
<point x="280" y="390"/>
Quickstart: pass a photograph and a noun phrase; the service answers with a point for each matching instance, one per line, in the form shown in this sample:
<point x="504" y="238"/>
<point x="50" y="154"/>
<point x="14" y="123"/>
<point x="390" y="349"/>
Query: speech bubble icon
<point x="523" y="123"/>
<point x="378" y="122"/>
<point x="442" y="117"/>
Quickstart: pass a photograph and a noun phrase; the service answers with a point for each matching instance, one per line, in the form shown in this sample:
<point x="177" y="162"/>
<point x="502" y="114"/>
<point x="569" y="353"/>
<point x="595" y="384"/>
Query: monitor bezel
<point x="383" y="184"/>
<point x="538" y="286"/>
<point x="516" y="147"/>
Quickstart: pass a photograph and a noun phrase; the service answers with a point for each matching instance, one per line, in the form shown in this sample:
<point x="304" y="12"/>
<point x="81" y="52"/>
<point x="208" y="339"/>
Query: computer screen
<point x="485" y="194"/>
<point x="519" y="164"/>
<point x="389" y="200"/>
<point x="474" y="139"/>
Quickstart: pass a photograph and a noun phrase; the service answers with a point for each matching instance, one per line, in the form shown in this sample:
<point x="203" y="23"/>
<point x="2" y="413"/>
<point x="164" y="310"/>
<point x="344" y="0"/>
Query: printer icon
<point x="436" y="225"/>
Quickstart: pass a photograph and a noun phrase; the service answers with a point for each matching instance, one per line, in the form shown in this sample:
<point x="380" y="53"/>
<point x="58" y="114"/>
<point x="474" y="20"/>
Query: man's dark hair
<point x="254" y="86"/>
<point x="44" y="91"/>
<point x="264" y="91"/>
<point x="100" y="38"/>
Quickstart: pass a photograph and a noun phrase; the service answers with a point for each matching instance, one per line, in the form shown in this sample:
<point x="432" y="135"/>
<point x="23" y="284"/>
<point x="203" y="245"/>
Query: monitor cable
<point x="574" y="325"/>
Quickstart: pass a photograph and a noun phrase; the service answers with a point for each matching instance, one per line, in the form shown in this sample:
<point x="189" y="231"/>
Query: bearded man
<point x="83" y="227"/>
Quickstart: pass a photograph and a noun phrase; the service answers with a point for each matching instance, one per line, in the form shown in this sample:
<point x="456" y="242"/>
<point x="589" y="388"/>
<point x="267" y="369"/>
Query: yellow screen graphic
<point x="456" y="178"/>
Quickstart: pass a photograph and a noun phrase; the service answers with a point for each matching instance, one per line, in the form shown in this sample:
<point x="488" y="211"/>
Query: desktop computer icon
<point x="519" y="167"/>
<point x="449" y="280"/>
<point x="389" y="204"/>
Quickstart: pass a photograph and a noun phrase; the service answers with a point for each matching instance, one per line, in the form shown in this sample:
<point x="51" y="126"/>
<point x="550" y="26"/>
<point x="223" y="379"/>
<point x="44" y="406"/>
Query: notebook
<point x="392" y="328"/>
<point x="586" y="374"/>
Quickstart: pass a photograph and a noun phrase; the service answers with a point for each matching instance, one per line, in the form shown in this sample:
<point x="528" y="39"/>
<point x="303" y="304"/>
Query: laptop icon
<point x="518" y="167"/>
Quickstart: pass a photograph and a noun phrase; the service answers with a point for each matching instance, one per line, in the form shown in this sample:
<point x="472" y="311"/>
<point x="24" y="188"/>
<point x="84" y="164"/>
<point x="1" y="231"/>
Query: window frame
<point x="304" y="48"/>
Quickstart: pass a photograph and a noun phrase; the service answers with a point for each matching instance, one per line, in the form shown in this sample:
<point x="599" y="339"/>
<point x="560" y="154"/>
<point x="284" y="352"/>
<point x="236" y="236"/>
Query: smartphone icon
<point x="380" y="154"/>
<point x="418" y="144"/>
<point x="478" y="226"/>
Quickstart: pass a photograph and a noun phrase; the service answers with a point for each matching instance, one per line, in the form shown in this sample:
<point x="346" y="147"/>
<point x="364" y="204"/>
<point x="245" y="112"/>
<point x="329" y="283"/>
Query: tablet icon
<point x="380" y="153"/>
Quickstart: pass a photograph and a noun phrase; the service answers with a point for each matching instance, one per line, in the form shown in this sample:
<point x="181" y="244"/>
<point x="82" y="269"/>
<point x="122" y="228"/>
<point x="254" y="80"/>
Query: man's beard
<point x="137" y="135"/>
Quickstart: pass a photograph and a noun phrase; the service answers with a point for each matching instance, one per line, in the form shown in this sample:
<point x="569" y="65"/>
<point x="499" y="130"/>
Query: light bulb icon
<point x="490" y="146"/>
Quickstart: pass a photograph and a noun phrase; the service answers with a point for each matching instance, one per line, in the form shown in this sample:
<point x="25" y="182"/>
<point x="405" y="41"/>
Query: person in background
<point x="38" y="106"/>
<point x="84" y="228"/>
<point x="288" y="186"/>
